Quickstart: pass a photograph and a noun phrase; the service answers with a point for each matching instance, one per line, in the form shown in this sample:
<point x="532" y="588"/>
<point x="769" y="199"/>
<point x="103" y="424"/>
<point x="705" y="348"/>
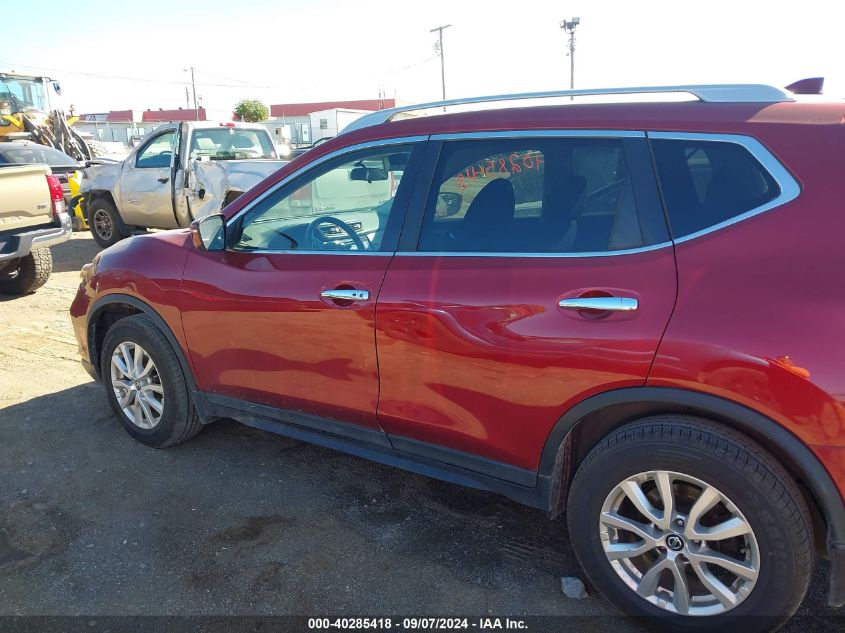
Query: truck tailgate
<point x="24" y="197"/>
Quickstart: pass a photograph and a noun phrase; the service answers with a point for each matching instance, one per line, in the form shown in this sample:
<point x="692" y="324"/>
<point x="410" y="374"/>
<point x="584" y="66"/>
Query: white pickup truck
<point x="180" y="172"/>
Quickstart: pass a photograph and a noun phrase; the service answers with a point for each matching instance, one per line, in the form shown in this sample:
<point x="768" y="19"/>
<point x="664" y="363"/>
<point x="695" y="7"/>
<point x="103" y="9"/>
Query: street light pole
<point x="439" y="47"/>
<point x="569" y="27"/>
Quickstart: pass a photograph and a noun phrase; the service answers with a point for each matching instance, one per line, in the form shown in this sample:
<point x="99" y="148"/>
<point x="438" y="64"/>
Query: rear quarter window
<point x="705" y="183"/>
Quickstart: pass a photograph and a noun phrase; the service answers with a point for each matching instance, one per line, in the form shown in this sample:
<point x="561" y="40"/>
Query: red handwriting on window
<point x="501" y="165"/>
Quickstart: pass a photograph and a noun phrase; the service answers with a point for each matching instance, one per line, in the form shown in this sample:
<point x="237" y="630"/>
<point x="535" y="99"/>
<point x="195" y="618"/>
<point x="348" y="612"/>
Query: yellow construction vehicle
<point x="25" y="112"/>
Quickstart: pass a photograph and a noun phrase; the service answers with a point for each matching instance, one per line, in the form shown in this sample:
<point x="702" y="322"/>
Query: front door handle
<point x="605" y="304"/>
<point x="346" y="295"/>
<point x="163" y="179"/>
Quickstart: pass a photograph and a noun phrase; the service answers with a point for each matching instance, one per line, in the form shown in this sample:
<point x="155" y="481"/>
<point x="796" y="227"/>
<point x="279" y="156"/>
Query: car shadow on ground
<point x="238" y="521"/>
<point x="70" y="256"/>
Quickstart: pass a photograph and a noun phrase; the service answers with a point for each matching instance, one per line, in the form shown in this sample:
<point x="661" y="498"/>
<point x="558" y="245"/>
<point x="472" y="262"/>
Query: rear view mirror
<point x="368" y="174"/>
<point x="209" y="233"/>
<point x="448" y="204"/>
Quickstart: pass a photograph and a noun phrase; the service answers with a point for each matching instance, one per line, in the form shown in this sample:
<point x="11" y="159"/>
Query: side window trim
<point x="789" y="186"/>
<point x="415" y="214"/>
<point x="149" y="142"/>
<point x="528" y="134"/>
<point x="645" y="188"/>
<point x="296" y="179"/>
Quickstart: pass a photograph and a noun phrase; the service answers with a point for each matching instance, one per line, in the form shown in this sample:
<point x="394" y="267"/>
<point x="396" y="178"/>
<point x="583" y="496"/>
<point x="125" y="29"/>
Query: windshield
<point x="36" y="155"/>
<point x="230" y="143"/>
<point x="22" y="94"/>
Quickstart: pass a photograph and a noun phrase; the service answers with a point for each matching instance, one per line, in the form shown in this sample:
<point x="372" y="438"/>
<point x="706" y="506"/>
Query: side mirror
<point x="209" y="233"/>
<point x="448" y="204"/>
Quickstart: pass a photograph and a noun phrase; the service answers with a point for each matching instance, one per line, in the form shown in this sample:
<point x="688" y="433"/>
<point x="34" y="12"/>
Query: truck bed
<point x="24" y="197"/>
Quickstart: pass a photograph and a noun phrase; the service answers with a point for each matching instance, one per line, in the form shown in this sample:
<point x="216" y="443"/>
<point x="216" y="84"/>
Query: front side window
<point x="158" y="152"/>
<point x="566" y="195"/>
<point x="347" y="205"/>
<point x="705" y="183"/>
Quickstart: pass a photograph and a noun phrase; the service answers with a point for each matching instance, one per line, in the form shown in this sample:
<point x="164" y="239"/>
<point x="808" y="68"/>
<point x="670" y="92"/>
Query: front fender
<point x="144" y="268"/>
<point x="100" y="178"/>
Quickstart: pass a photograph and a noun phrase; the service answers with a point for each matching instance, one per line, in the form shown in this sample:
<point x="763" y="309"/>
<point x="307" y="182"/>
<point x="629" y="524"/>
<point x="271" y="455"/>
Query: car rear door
<point x="284" y="317"/>
<point x="549" y="279"/>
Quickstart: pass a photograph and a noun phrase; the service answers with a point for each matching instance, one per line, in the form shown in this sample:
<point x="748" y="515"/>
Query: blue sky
<point x="132" y="54"/>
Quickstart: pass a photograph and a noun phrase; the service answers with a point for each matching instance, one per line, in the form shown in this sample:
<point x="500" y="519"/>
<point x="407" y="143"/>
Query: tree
<point x="252" y="110"/>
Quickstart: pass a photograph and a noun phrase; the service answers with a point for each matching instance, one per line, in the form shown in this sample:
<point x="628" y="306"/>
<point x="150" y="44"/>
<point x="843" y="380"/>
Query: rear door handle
<point x="605" y="304"/>
<point x="163" y="180"/>
<point x="346" y="295"/>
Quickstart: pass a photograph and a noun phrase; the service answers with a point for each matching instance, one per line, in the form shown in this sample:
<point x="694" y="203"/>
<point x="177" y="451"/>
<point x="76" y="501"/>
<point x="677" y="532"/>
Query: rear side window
<point x="566" y="195"/>
<point x="705" y="183"/>
<point x="230" y="143"/>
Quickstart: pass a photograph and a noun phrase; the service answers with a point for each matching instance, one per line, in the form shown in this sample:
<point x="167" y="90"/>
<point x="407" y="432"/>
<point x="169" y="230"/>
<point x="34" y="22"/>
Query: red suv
<point x="626" y="312"/>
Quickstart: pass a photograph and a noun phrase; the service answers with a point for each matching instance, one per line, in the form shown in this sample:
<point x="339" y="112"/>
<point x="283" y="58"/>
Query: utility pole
<point x="194" y="88"/>
<point x="439" y="48"/>
<point x="569" y="27"/>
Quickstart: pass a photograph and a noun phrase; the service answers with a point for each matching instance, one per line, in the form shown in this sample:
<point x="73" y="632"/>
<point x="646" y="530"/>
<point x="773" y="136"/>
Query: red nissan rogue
<point x="624" y="312"/>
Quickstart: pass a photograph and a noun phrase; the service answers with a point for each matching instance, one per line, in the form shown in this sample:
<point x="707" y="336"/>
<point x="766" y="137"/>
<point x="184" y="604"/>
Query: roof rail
<point x="715" y="93"/>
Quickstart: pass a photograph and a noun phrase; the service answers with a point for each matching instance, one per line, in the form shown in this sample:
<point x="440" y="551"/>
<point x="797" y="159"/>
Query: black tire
<point x="179" y="421"/>
<point x="741" y="470"/>
<point x="29" y="275"/>
<point x="106" y="225"/>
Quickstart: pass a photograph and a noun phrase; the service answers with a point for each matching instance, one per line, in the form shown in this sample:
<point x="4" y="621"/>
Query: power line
<point x="409" y="66"/>
<point x="128" y="78"/>
<point x="241" y="83"/>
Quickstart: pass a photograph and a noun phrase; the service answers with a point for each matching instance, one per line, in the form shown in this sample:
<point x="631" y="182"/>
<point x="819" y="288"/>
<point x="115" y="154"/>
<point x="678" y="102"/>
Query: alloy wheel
<point x="103" y="224"/>
<point x="679" y="543"/>
<point x="137" y="385"/>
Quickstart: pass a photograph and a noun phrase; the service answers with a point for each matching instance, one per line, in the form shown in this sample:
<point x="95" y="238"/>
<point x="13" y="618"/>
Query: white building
<point x="304" y="123"/>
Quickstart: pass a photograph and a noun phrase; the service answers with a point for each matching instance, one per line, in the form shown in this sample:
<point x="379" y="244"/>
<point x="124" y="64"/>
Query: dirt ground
<point x="239" y="522"/>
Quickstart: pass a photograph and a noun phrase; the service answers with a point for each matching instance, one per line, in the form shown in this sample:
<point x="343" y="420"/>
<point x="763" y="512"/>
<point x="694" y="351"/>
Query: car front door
<point x="145" y="188"/>
<point x="540" y="273"/>
<point x="284" y="317"/>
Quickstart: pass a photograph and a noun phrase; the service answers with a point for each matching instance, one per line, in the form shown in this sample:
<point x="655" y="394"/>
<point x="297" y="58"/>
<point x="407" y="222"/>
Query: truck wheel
<point x="105" y="223"/>
<point x="691" y="525"/>
<point x="145" y="385"/>
<point x="29" y="275"/>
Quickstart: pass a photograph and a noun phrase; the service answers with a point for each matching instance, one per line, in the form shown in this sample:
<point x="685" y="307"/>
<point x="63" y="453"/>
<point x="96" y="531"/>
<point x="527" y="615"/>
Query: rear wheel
<point x="145" y="384"/>
<point x="29" y="274"/>
<point x="685" y="521"/>
<point x="106" y="227"/>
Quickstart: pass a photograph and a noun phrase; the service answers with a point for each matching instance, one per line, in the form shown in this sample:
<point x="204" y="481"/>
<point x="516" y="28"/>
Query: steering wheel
<point x="311" y="232"/>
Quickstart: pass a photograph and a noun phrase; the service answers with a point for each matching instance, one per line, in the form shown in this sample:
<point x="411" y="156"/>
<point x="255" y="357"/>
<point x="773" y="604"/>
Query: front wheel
<point x="690" y="524"/>
<point x="106" y="227"/>
<point x="145" y="384"/>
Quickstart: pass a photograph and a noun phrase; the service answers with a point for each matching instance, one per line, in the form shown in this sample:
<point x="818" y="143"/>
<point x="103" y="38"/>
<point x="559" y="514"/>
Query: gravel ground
<point x="240" y="522"/>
